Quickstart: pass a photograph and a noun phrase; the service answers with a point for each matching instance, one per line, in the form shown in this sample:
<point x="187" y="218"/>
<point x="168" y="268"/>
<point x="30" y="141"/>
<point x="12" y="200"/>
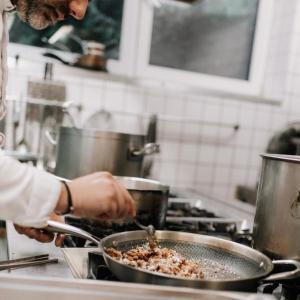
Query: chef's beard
<point x="37" y="13"/>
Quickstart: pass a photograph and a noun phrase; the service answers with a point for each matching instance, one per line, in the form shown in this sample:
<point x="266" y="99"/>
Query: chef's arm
<point x="27" y="195"/>
<point x="96" y="196"/>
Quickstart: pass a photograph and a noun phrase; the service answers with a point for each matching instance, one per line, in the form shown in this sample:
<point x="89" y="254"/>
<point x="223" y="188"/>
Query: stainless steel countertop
<point x="22" y="246"/>
<point x="26" y="288"/>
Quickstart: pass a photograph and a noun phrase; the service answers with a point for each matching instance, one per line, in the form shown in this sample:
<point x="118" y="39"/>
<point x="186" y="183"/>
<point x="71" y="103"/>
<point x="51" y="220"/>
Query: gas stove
<point x="97" y="270"/>
<point x="203" y="215"/>
<point x="189" y="215"/>
<point x="183" y="214"/>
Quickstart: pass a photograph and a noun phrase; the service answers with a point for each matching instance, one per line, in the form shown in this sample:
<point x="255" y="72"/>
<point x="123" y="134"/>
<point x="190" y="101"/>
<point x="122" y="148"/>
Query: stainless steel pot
<point x="151" y="200"/>
<point x="84" y="151"/>
<point x="277" y="219"/>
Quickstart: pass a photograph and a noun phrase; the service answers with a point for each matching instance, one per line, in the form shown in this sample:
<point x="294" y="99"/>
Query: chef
<point x="28" y="196"/>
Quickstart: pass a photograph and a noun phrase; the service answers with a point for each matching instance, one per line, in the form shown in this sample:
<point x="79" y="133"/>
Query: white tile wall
<point x="210" y="157"/>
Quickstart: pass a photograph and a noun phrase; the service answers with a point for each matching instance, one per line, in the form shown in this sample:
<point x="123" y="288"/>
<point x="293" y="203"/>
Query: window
<point x="213" y="44"/>
<point x="213" y="37"/>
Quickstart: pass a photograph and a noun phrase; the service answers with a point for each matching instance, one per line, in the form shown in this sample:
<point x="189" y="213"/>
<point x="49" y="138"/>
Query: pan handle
<point x="285" y="275"/>
<point x="148" y="149"/>
<point x="57" y="227"/>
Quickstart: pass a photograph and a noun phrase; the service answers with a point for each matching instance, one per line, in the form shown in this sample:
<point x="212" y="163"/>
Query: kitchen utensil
<point x="151" y="200"/>
<point x="44" y="111"/>
<point x="92" y="59"/>
<point x="277" y="217"/>
<point x="47" y="88"/>
<point x="150" y="230"/>
<point x="27" y="120"/>
<point x="27" y="262"/>
<point x="150" y="138"/>
<point x="84" y="151"/>
<point x="249" y="264"/>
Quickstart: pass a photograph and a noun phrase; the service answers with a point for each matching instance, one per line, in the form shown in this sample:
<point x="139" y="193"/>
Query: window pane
<point x="208" y="36"/>
<point x="102" y="23"/>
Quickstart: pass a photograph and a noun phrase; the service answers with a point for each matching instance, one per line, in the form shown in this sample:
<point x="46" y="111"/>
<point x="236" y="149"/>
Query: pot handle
<point x="285" y="275"/>
<point x="50" y="138"/>
<point x="148" y="149"/>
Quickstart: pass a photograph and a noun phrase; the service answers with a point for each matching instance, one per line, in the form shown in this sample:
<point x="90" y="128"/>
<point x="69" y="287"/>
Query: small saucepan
<point x="151" y="200"/>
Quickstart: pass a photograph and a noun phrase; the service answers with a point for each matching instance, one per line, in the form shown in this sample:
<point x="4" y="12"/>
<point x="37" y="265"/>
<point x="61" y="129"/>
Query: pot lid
<point x="282" y="157"/>
<point x="141" y="184"/>
<point x="97" y="133"/>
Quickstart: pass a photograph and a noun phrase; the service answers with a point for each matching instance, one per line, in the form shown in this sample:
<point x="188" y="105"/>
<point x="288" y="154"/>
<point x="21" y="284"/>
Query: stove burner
<point x="244" y="237"/>
<point x="280" y="291"/>
<point x="97" y="268"/>
<point x="184" y="209"/>
<point x="290" y="292"/>
<point x="226" y="230"/>
<point x="99" y="229"/>
<point x="267" y="288"/>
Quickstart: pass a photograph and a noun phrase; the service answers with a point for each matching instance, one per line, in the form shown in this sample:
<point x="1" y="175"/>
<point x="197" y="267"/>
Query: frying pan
<point x="250" y="265"/>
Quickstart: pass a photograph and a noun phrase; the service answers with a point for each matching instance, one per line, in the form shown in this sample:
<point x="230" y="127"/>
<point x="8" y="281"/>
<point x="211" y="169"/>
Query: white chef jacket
<point x="27" y="195"/>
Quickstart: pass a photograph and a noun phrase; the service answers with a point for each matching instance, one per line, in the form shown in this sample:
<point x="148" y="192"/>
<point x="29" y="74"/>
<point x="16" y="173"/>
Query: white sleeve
<point x="27" y="195"/>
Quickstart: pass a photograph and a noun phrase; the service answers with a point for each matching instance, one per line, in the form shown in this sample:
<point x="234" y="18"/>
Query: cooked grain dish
<point x="170" y="262"/>
<point x="160" y="260"/>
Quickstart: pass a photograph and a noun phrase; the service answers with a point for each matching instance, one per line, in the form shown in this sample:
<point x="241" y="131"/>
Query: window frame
<point x="252" y="87"/>
<point x="135" y="48"/>
<point x="125" y="65"/>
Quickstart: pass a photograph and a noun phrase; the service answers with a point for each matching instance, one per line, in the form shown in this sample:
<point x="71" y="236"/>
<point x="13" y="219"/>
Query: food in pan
<point x="170" y="262"/>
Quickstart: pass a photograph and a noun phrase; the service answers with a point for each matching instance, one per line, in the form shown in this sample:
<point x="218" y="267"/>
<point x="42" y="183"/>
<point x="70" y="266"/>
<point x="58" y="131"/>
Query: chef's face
<point x="42" y="13"/>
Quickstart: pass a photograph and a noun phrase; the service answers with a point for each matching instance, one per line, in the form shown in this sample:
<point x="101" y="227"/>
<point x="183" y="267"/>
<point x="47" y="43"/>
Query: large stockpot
<point x="277" y="219"/>
<point x="84" y="151"/>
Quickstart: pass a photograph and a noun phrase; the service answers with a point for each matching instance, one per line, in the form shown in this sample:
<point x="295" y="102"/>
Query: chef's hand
<point x="98" y="196"/>
<point x="41" y="235"/>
